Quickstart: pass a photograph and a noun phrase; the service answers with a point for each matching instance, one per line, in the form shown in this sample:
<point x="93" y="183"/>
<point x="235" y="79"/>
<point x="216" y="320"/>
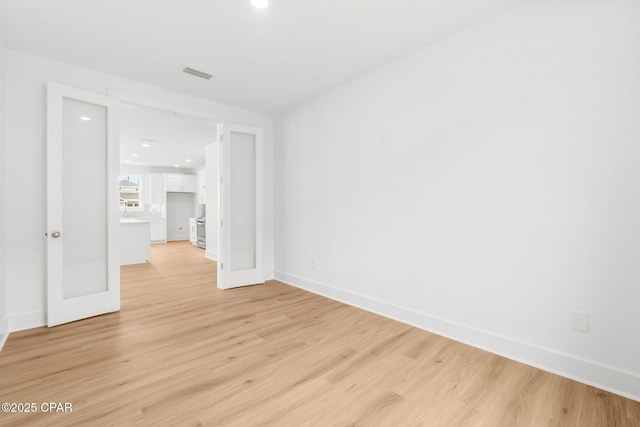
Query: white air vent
<point x="197" y="73"/>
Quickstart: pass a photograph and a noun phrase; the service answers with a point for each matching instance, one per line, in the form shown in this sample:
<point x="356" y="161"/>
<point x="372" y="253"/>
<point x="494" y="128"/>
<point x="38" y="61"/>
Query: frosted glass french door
<point x="240" y="206"/>
<point x="83" y="266"/>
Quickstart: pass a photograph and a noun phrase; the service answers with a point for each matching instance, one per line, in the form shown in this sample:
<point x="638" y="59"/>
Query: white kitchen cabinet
<point x="189" y="184"/>
<point x="202" y="187"/>
<point x="180" y="183"/>
<point x="144" y="196"/>
<point x="173" y="182"/>
<point x="155" y="189"/>
<point x="152" y="189"/>
<point x="158" y="230"/>
<point x="134" y="241"/>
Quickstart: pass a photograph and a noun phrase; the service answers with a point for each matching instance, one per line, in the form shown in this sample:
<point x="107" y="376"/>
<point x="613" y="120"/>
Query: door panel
<point x="240" y="195"/>
<point x="84" y="244"/>
<point x="83" y="276"/>
<point x="242" y="192"/>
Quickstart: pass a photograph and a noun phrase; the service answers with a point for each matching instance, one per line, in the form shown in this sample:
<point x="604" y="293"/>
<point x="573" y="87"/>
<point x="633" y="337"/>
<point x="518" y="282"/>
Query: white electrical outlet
<point x="580" y="321"/>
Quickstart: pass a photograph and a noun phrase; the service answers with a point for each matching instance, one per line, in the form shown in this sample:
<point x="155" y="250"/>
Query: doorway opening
<point x="239" y="152"/>
<point x="164" y="151"/>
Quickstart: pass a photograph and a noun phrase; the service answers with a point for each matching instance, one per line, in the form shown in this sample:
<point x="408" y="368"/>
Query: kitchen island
<point x="135" y="246"/>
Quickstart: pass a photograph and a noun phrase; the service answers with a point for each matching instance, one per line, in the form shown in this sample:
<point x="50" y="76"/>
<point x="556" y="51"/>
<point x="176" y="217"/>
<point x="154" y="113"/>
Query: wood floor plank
<point x="183" y="353"/>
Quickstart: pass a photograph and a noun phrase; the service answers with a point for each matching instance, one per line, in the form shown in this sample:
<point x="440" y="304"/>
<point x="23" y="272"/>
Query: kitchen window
<point x="130" y="193"/>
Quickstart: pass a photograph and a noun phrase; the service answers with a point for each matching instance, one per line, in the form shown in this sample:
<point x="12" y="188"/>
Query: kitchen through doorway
<point x="163" y="182"/>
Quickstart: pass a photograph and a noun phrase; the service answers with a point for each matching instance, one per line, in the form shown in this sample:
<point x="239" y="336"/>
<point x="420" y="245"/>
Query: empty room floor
<point x="183" y="353"/>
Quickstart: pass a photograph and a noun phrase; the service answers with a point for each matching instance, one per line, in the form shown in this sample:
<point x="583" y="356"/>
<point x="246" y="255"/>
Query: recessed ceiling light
<point x="135" y="155"/>
<point x="176" y="166"/>
<point x="187" y="160"/>
<point x="85" y="118"/>
<point x="260" y="4"/>
<point x="127" y="161"/>
<point x="145" y="145"/>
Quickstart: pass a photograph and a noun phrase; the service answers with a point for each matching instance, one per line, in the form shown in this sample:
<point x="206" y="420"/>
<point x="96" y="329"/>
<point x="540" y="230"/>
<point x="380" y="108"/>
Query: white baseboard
<point x="268" y="275"/>
<point x="617" y="381"/>
<point x="4" y="332"/>
<point x="21" y="322"/>
<point x="211" y="255"/>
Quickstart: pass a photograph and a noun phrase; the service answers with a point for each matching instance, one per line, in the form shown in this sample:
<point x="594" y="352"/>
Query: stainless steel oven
<point x="201" y="233"/>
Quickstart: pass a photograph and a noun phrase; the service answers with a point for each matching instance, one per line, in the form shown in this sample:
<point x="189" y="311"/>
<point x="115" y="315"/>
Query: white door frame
<point x="138" y="99"/>
<point x="148" y="103"/>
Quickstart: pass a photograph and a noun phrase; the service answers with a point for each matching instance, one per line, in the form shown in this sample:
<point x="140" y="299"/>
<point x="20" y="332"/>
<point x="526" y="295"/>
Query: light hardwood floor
<point x="183" y="353"/>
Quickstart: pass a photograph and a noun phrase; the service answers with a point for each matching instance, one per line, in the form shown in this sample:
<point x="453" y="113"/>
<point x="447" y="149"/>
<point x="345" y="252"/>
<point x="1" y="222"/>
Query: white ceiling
<point x="173" y="140"/>
<point x="267" y="60"/>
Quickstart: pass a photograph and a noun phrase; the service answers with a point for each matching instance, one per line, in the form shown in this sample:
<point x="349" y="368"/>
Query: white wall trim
<point x="21" y="322"/>
<point x="4" y="332"/>
<point x="211" y="255"/>
<point x="608" y="378"/>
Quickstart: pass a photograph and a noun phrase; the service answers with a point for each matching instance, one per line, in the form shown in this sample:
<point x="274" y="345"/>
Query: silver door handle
<point x="55" y="234"/>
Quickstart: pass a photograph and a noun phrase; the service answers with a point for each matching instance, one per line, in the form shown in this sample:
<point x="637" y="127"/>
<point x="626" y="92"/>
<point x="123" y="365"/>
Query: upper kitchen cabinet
<point x="156" y="189"/>
<point x="180" y="183"/>
<point x="153" y="189"/>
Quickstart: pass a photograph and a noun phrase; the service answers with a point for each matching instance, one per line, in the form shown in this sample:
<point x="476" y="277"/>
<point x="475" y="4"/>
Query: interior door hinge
<point x="221" y="223"/>
<point x="221" y="266"/>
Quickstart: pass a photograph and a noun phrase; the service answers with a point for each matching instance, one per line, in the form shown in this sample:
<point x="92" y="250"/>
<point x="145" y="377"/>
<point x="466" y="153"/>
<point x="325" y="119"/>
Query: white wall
<point x="26" y="77"/>
<point x="180" y="207"/>
<point x="3" y="305"/>
<point x="483" y="188"/>
<point x="212" y="171"/>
